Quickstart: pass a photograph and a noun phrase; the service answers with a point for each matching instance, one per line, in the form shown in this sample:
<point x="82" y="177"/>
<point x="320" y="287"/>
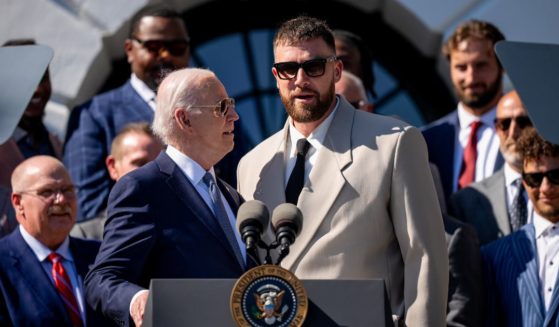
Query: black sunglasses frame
<point x="175" y="47"/>
<point x="308" y="67"/>
<point x="536" y="179"/>
<point x="503" y="124"/>
<point x="220" y="109"/>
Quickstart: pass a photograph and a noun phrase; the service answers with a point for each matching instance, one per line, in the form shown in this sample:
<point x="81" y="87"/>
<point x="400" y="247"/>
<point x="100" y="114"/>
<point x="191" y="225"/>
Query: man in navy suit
<point x="45" y="203"/>
<point x="157" y="44"/>
<point x="521" y="269"/>
<point x="477" y="79"/>
<point x="162" y="219"/>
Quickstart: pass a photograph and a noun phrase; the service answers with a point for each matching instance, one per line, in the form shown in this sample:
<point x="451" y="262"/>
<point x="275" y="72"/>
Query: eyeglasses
<point x="49" y="194"/>
<point x="504" y="123"/>
<point x="221" y="108"/>
<point x="535" y="179"/>
<point x="174" y="47"/>
<point x="313" y="68"/>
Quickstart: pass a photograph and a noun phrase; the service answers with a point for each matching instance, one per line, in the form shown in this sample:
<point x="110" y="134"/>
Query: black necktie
<point x="297" y="178"/>
<point x="518" y="212"/>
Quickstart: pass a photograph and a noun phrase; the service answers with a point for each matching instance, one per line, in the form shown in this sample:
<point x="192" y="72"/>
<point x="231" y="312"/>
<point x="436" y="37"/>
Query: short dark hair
<point x="476" y="29"/>
<point x="533" y="147"/>
<point x="142" y="128"/>
<point x="304" y="28"/>
<point x="367" y="74"/>
<point x="155" y="10"/>
<point x="16" y="42"/>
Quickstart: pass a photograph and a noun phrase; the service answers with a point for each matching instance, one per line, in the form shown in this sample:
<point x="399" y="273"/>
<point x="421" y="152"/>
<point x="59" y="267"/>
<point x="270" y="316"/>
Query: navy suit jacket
<point x="28" y="296"/>
<point x="513" y="285"/>
<point x="440" y="137"/>
<point x="158" y="226"/>
<point x="90" y="132"/>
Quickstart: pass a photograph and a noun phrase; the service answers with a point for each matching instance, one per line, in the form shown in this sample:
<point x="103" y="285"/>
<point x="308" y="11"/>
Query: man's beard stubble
<point x="309" y="113"/>
<point x="482" y="100"/>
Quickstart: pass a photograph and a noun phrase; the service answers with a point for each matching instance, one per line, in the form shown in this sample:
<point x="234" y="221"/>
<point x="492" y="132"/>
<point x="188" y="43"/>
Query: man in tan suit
<point x="368" y="201"/>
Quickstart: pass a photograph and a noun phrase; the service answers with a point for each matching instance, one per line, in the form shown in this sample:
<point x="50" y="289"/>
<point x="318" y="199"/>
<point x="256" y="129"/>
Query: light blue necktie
<point x="221" y="216"/>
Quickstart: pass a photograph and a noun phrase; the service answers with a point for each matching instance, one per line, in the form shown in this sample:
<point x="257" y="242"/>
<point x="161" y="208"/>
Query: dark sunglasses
<point x="174" y="47"/>
<point x="313" y="68"/>
<point x="221" y="108"/>
<point x="535" y="179"/>
<point x="504" y="123"/>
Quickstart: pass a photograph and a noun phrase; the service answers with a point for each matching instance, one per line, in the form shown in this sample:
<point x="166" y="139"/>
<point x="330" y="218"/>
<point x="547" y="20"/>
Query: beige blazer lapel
<point x="326" y="181"/>
<point x="270" y="186"/>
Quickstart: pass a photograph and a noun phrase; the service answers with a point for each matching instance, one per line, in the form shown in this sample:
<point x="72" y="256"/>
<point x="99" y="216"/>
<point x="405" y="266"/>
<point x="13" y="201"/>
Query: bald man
<point x="41" y="268"/>
<point x="351" y="87"/>
<point x="491" y="204"/>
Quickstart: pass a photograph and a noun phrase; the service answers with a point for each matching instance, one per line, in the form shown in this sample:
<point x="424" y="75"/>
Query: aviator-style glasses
<point x="535" y="179"/>
<point x="174" y="47"/>
<point x="313" y="68"/>
<point x="504" y="123"/>
<point x="221" y="108"/>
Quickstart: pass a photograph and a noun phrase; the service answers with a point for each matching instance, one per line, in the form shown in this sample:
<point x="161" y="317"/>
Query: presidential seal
<point x="269" y="296"/>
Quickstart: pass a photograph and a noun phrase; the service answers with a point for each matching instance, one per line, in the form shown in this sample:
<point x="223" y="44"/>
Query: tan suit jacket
<point x="369" y="207"/>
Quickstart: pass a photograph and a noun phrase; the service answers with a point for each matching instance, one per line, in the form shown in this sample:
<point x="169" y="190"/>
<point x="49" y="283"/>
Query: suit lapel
<point x="524" y="251"/>
<point x="497" y="195"/>
<point x="191" y="199"/>
<point x="141" y="108"/>
<point x="29" y="268"/>
<point x="326" y="180"/>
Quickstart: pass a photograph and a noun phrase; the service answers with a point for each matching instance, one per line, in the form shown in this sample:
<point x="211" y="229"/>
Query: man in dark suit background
<point x="45" y="203"/>
<point x="476" y="75"/>
<point x="134" y="146"/>
<point x="166" y="219"/>
<point x="488" y="205"/>
<point x="521" y="269"/>
<point x="157" y="44"/>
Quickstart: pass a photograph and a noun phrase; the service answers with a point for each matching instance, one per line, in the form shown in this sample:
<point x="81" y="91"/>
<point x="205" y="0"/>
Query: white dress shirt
<point x="143" y="90"/>
<point x="42" y="252"/>
<point x="487" y="144"/>
<point x="547" y="245"/>
<point x="316" y="139"/>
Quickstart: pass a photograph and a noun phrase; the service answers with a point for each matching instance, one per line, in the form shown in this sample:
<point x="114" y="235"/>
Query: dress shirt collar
<point x="143" y="90"/>
<point x="41" y="251"/>
<point x="510" y="175"/>
<point x="543" y="226"/>
<point x="191" y="169"/>
<point x="465" y="118"/>
<point x="316" y="138"/>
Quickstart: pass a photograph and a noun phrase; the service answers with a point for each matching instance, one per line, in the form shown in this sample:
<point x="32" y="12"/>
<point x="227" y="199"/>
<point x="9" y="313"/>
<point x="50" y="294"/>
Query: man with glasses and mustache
<point x="171" y="218"/>
<point x="361" y="180"/>
<point x="498" y="205"/>
<point x="463" y="144"/>
<point x="521" y="269"/>
<point x="41" y="267"/>
<point x="157" y="44"/>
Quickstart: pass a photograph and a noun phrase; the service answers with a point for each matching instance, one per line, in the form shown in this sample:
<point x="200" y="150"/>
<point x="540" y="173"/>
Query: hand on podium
<point x="138" y="307"/>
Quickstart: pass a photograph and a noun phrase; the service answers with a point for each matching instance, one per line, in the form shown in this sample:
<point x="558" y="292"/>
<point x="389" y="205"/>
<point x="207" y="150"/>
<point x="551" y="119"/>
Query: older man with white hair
<point x="171" y="218"/>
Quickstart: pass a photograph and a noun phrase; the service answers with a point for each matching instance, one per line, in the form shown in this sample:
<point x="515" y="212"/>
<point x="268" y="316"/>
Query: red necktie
<point x="468" y="171"/>
<point x="64" y="288"/>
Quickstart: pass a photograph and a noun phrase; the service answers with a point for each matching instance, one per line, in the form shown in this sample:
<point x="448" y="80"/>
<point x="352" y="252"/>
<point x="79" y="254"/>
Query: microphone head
<point x="253" y="212"/>
<point x="287" y="214"/>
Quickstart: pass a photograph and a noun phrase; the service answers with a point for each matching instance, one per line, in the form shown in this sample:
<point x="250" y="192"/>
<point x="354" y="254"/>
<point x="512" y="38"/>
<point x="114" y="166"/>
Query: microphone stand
<point x="283" y="251"/>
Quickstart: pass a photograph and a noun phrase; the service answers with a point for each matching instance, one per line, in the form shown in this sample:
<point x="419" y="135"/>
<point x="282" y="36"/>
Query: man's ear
<point x="128" y="50"/>
<point x="18" y="206"/>
<point x="110" y="162"/>
<point x="182" y="118"/>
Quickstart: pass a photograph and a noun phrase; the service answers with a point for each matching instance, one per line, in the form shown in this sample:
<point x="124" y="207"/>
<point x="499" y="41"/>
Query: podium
<point x="205" y="302"/>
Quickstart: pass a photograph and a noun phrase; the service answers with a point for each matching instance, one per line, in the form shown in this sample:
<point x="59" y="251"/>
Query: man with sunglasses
<point x="157" y="44"/>
<point x="463" y="144"/>
<point x="521" y="269"/>
<point x="361" y="181"/>
<point x="498" y="205"/>
<point x="171" y="218"/>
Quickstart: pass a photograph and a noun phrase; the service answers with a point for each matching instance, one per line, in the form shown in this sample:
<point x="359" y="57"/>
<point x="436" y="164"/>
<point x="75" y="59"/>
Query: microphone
<point x="287" y="221"/>
<point x="252" y="221"/>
